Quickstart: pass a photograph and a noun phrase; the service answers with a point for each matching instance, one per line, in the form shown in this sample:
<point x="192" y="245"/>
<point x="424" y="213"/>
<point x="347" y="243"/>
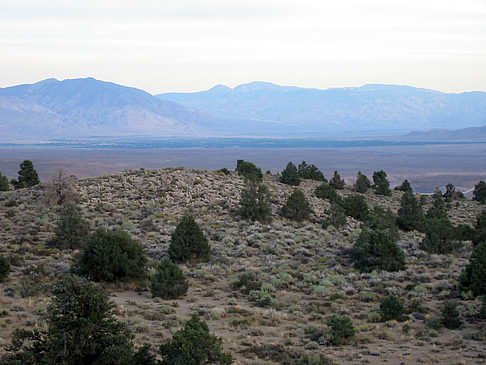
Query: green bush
<point x="479" y="234"/>
<point x="112" y="256"/>
<point x="72" y="229"/>
<point x="248" y="170"/>
<point x="381" y="183"/>
<point x="362" y="183"/>
<point x="82" y="329"/>
<point x="194" y="345"/>
<point x="255" y="202"/>
<point x="391" y="308"/>
<point x="336" y="217"/>
<point x="410" y="214"/>
<point x="479" y="193"/>
<point x="188" y="243"/>
<point x="297" y="207"/>
<point x="377" y="249"/>
<point x="27" y="176"/>
<point x="380" y="218"/>
<point x="168" y="282"/>
<point x="224" y="171"/>
<point x="3" y="183"/>
<point x="355" y="206"/>
<point x="438" y="208"/>
<point x="440" y="236"/>
<point x="451" y="193"/>
<point x="336" y="182"/>
<point x="434" y="323"/>
<point x="246" y="282"/>
<point x="450" y="316"/>
<point x="290" y="175"/>
<point x="342" y="330"/>
<point x="405" y="187"/>
<point x="310" y="172"/>
<point x="473" y="276"/>
<point x="4" y="268"/>
<point x="326" y="191"/>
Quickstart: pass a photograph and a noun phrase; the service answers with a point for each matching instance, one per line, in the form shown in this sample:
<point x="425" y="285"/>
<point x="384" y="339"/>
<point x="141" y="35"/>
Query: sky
<point x="192" y="45"/>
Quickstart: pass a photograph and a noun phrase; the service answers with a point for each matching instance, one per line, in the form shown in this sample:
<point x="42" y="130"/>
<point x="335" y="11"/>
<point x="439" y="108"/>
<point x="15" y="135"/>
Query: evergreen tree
<point x="188" y="242"/>
<point x="438" y="209"/>
<point x="326" y="191"/>
<point x="255" y="202"/>
<point x="381" y="183"/>
<point x="405" y="187"/>
<point x="479" y="233"/>
<point x="380" y="218"/>
<point x="310" y="172"/>
<point x="452" y="193"/>
<point x="355" y="206"/>
<point x="440" y="236"/>
<point x="336" y="217"/>
<point x="450" y="316"/>
<point x="248" y="170"/>
<point x="290" y="175"/>
<point x="4" y="268"/>
<point x="391" y="308"/>
<point x="479" y="193"/>
<point x="27" y="176"/>
<point x="3" y="183"/>
<point x="410" y="214"/>
<point x="297" y="207"/>
<point x="472" y="278"/>
<point x="362" y="183"/>
<point x="194" y="345"/>
<point x="336" y="182"/>
<point x="72" y="229"/>
<point x="168" y="282"/>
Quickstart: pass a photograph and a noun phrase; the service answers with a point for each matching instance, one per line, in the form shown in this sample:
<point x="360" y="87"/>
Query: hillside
<point x="368" y="108"/>
<point x="90" y="107"/>
<point x="306" y="270"/>
<point x="464" y="134"/>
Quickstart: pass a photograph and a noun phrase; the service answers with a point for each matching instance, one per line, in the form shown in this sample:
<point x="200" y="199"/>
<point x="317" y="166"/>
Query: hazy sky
<point x="188" y="45"/>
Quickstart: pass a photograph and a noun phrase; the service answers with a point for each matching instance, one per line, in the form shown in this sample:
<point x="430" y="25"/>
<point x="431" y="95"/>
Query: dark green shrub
<point x="297" y="207"/>
<point x="380" y="218"/>
<point x="310" y="172"/>
<point x="479" y="193"/>
<point x="450" y="316"/>
<point x="464" y="232"/>
<point x="188" y="243"/>
<point x="112" y="256"/>
<point x="336" y="217"/>
<point x="82" y="329"/>
<point x="11" y="203"/>
<point x="482" y="311"/>
<point x="72" y="229"/>
<point x="440" y="236"/>
<point x="194" y="345"/>
<point x="3" y="183"/>
<point x="326" y="191"/>
<point x="405" y="187"/>
<point x="434" y="323"/>
<point x="438" y="208"/>
<point x="4" y="268"/>
<point x="248" y="170"/>
<point x="224" y="170"/>
<point x="342" y="330"/>
<point x="479" y="234"/>
<point x="168" y="282"/>
<point x="381" y="183"/>
<point x="246" y="282"/>
<point x="451" y="193"/>
<point x="255" y="202"/>
<point x="410" y="214"/>
<point x="377" y="249"/>
<point x="355" y="206"/>
<point x="362" y="183"/>
<point x="473" y="276"/>
<point x="27" y="176"/>
<point x="290" y="175"/>
<point x="391" y="308"/>
<point x="336" y="182"/>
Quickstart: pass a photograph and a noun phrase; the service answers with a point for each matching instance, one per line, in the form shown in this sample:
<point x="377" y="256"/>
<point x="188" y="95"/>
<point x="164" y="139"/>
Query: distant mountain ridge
<point x="370" y="107"/>
<point x="445" y="135"/>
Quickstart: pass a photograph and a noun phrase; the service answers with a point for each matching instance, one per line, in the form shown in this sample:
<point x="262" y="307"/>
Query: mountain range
<point x="90" y="107"/>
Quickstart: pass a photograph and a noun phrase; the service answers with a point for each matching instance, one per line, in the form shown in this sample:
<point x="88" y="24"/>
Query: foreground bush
<point x="168" y="282"/>
<point x="255" y="202"/>
<point x="112" y="256"/>
<point x="391" y="308"/>
<point x="297" y="207"/>
<point x="450" y="316"/>
<point x="473" y="276"/>
<point x="342" y="330"/>
<point x="72" y="229"/>
<point x="377" y="249"/>
<point x="194" y="345"/>
<point x="290" y="175"/>
<point x="188" y="243"/>
<point x="4" y="268"/>
<point x="81" y="329"/>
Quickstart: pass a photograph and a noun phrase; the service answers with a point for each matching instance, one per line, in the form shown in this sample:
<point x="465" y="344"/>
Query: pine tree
<point x="72" y="229"/>
<point x="410" y="214"/>
<point x="381" y="183"/>
<point x="362" y="183"/>
<point x="27" y="176"/>
<point x="255" y="202"/>
<point x="336" y="182"/>
<point x="188" y="242"/>
<point x="290" y="175"/>
<point x="168" y="282"/>
<point x="310" y="172"/>
<point x="297" y="207"/>
<point x="405" y="187"/>
<point x="479" y="193"/>
<point x="3" y="183"/>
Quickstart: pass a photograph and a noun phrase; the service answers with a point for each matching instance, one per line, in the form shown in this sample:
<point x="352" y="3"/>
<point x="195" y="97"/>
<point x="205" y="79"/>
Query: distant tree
<point x="380" y="218"/>
<point x="3" y="183"/>
<point x="72" y="229"/>
<point x="377" y="249"/>
<point x="224" y="171"/>
<point x="355" y="206"/>
<point x="310" y="172"/>
<point x="362" y="183"/>
<point x="479" y="233"/>
<point x="248" y="170"/>
<point x="410" y="214"/>
<point x="81" y="329"/>
<point x="479" y="193"/>
<point x="168" y="282"/>
<point x="405" y="187"/>
<point x="336" y="182"/>
<point x="391" y="308"/>
<point x="336" y="217"/>
<point x="297" y="207"/>
<point x="451" y="193"/>
<point x="450" y="316"/>
<point x="290" y="175"/>
<point x="255" y="202"/>
<point x="4" y="268"/>
<point x="112" y="256"/>
<point x="194" y="345"/>
<point x="326" y="191"/>
<point x="472" y="277"/>
<point x="438" y="208"/>
<point x="341" y="330"/>
<point x="188" y="242"/>
<point x="27" y="176"/>
<point x="381" y="183"/>
<point x="60" y="188"/>
<point x="440" y="236"/>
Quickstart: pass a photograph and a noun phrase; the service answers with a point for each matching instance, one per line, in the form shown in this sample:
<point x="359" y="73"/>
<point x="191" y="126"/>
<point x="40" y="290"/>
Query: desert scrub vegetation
<point x="391" y="307"/>
<point x="341" y="330"/>
<point x="72" y="229"/>
<point x="168" y="282"/>
<point x="188" y="242"/>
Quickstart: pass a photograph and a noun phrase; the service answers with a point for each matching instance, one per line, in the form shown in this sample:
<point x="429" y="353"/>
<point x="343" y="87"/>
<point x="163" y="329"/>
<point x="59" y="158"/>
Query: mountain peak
<point x="219" y="89"/>
<point x="256" y="86"/>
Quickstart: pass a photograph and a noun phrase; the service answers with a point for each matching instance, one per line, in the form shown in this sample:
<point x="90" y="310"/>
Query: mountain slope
<point x="464" y="134"/>
<point x="82" y="107"/>
<point x="370" y="107"/>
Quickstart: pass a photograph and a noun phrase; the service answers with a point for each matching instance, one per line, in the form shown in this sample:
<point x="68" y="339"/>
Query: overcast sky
<point x="189" y="45"/>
